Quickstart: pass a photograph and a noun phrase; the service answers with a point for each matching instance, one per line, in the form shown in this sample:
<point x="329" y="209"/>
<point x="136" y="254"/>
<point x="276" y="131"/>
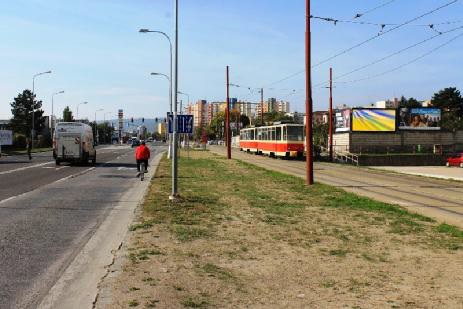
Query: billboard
<point x="373" y="120"/>
<point x="342" y="120"/>
<point x="6" y="137"/>
<point x="419" y="118"/>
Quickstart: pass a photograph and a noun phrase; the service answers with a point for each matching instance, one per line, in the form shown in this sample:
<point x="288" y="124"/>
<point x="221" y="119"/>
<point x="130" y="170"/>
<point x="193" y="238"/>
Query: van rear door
<point x="69" y="147"/>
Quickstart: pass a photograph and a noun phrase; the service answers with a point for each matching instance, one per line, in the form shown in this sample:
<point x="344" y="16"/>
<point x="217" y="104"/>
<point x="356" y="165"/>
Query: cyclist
<point x="142" y="154"/>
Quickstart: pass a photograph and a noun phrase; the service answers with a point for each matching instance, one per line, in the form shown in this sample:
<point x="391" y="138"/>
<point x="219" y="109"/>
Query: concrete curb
<point x="78" y="287"/>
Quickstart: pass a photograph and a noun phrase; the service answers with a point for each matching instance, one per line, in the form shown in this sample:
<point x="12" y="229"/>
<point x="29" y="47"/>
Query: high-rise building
<point x="213" y="109"/>
<point x="282" y="106"/>
<point x="200" y="113"/>
<point x="271" y="105"/>
<point x="246" y="109"/>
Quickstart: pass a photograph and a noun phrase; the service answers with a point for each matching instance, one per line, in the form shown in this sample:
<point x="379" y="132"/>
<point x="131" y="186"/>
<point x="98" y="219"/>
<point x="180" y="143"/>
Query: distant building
<point x="426" y="103"/>
<point x="213" y="109"/>
<point x="282" y="107"/>
<point x="162" y="128"/>
<point x="4" y="124"/>
<point x="200" y="113"/>
<point x="246" y="109"/>
<point x="320" y="117"/>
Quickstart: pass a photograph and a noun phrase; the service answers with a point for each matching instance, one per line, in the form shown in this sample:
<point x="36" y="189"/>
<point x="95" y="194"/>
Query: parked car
<point x="455" y="160"/>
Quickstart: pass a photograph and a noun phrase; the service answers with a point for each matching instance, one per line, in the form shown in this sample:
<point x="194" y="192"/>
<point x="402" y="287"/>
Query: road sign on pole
<point x="184" y="123"/>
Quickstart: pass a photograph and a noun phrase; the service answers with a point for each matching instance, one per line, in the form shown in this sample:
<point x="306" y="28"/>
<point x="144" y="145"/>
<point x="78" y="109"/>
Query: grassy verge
<point x="243" y="236"/>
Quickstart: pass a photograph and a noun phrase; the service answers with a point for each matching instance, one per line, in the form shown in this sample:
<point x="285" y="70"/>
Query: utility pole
<point x="262" y="106"/>
<point x="227" y="118"/>
<point x="331" y="116"/>
<point x="308" y="103"/>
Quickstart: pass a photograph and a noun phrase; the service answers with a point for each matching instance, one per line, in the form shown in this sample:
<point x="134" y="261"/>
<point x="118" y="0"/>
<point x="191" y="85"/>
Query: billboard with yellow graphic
<point x="373" y="120"/>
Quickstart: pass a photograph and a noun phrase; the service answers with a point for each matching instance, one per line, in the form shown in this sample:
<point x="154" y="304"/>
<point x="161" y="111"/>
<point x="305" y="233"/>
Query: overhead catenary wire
<point x="345" y="51"/>
<point x="336" y="21"/>
<point x="359" y="15"/>
<point x="404" y="64"/>
<point x="392" y="55"/>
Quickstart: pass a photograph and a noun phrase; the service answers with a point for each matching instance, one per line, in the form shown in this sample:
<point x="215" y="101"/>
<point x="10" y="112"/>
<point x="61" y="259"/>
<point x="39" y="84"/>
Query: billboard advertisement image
<point x="342" y="120"/>
<point x="419" y="119"/>
<point x="374" y="120"/>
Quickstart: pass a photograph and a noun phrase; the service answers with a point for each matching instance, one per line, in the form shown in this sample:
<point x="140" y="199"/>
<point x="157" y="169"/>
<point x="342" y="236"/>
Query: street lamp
<point x="77" y="115"/>
<point x="106" y="126"/>
<point x="170" y="67"/>
<point x="96" y="126"/>
<point x="188" y="96"/>
<point x="33" y="109"/>
<point x="52" y="122"/>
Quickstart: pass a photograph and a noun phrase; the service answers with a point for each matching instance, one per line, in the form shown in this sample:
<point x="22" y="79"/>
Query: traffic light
<point x="131" y="119"/>
<point x="143" y="120"/>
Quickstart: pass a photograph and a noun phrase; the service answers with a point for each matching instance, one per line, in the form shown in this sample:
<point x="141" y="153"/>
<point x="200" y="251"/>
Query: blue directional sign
<point x="170" y="120"/>
<point x="184" y="123"/>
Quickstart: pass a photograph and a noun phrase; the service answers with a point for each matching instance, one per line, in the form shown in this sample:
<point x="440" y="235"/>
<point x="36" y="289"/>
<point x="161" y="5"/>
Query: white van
<point x="73" y="142"/>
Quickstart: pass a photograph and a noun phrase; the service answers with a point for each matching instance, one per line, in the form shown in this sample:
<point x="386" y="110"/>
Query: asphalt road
<point x="48" y="213"/>
<point x="441" y="199"/>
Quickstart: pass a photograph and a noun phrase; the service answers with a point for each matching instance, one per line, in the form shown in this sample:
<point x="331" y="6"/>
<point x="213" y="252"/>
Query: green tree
<point x="450" y="101"/>
<point x="105" y="132"/>
<point x="67" y="115"/>
<point x="217" y="125"/>
<point x="272" y="117"/>
<point x="320" y="134"/>
<point x="409" y="103"/>
<point x="22" y="108"/>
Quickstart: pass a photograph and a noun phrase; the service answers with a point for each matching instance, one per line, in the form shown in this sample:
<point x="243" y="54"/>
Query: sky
<point x="96" y="54"/>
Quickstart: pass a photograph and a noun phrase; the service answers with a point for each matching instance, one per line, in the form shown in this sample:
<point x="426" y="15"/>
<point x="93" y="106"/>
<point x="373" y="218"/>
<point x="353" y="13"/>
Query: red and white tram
<point x="279" y="140"/>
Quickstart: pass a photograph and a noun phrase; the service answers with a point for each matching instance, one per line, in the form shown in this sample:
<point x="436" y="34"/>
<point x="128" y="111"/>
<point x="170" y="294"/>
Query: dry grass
<point x="242" y="236"/>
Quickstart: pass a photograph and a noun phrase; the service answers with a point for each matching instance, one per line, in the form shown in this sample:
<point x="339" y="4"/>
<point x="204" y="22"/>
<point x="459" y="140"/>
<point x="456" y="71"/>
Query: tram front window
<point x="296" y="134"/>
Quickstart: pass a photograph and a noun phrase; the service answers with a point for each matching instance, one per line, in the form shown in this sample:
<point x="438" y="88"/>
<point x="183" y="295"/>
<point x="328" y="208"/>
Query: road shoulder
<point x="78" y="286"/>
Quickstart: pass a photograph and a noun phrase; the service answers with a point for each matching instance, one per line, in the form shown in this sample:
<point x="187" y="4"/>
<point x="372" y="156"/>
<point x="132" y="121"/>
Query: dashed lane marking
<point x="25" y="168"/>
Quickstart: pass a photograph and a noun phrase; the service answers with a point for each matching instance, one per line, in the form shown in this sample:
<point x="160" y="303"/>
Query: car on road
<point x="73" y="142"/>
<point x="455" y="160"/>
<point x="135" y="143"/>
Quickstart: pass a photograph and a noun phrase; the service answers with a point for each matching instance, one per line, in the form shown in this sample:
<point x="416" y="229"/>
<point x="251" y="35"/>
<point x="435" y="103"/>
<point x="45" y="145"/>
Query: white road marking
<point x="25" y="168"/>
<point x="122" y="168"/>
<point x="54" y="182"/>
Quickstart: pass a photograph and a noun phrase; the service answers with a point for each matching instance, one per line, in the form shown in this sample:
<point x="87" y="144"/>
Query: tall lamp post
<point x="170" y="75"/>
<point x="106" y="126"/>
<point x="83" y="103"/>
<point x="33" y="109"/>
<point x="52" y="122"/>
<point x="188" y="99"/>
<point x="170" y="101"/>
<point x="174" y="139"/>
<point x="96" y="126"/>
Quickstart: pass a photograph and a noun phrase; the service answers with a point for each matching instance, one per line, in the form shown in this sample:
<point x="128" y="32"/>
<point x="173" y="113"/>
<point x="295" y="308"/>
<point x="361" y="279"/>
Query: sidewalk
<point x="441" y="172"/>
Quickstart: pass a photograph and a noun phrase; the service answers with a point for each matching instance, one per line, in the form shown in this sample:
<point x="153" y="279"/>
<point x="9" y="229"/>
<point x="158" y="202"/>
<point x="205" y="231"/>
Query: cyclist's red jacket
<point x="142" y="153"/>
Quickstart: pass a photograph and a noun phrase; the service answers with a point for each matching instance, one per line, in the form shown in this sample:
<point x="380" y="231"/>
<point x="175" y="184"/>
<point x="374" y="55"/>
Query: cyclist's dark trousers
<point x="139" y="162"/>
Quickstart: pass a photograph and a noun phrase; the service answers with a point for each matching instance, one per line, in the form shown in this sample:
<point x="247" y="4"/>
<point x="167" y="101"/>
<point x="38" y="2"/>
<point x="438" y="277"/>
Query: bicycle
<point x="142" y="171"/>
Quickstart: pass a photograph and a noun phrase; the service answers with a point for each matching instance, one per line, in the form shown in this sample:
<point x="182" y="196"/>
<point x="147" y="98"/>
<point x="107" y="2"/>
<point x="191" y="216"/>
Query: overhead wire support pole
<point x="331" y="117"/>
<point x="227" y="117"/>
<point x="262" y="106"/>
<point x="308" y="103"/>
